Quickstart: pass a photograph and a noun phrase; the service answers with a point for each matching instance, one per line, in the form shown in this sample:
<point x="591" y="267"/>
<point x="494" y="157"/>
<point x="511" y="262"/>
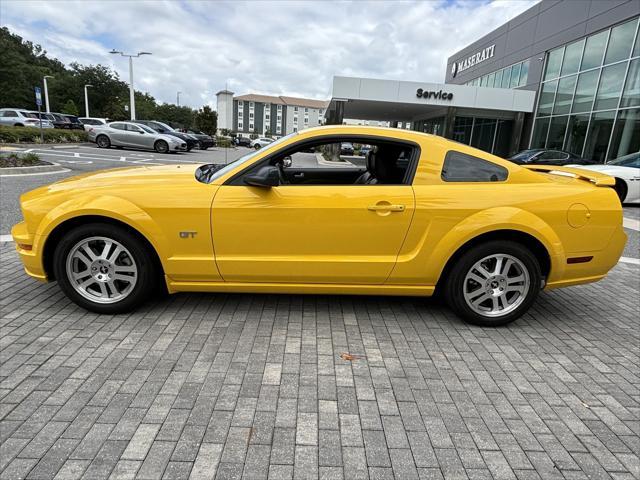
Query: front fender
<point x="109" y="206"/>
<point x="494" y="219"/>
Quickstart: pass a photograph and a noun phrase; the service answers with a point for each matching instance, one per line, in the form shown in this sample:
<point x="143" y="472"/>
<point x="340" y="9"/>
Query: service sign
<point x="38" y="96"/>
<point x="474" y="59"/>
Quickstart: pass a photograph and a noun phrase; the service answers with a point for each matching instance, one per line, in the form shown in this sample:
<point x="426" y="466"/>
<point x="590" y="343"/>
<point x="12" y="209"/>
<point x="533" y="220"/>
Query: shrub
<point x="20" y="160"/>
<point x="223" y="142"/>
<point x="32" y="135"/>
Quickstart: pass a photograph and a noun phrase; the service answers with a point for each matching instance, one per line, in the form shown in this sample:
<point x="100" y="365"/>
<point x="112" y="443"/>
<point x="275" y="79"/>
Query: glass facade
<point x="589" y="100"/>
<point x="488" y="134"/>
<point x="509" y="77"/>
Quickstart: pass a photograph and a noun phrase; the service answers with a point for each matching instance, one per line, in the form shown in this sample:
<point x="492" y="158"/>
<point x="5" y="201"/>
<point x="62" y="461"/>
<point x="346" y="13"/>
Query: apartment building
<point x="269" y="115"/>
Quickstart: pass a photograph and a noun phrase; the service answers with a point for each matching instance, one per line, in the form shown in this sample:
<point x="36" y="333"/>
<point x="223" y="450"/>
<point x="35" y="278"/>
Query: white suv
<point x="16" y="117"/>
<point x="89" y="122"/>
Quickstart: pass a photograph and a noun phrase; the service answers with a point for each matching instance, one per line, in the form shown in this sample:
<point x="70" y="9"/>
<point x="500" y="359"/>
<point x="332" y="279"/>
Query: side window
<point x="461" y="167"/>
<point x="551" y="155"/>
<point x="344" y="161"/>
<point x="9" y="113"/>
<point x="132" y="128"/>
<point x="118" y="126"/>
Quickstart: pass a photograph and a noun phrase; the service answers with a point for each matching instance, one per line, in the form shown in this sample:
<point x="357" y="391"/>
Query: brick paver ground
<point x="253" y="386"/>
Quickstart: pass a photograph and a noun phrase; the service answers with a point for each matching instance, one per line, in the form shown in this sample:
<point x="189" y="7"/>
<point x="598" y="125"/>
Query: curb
<point x="43" y="146"/>
<point x="34" y="170"/>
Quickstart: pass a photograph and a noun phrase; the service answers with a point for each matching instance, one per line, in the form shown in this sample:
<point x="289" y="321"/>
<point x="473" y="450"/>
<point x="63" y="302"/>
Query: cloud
<point x="281" y="47"/>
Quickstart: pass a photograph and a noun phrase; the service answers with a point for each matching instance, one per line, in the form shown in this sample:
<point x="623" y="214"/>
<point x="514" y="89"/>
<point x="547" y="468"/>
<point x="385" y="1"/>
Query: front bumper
<point x="29" y="252"/>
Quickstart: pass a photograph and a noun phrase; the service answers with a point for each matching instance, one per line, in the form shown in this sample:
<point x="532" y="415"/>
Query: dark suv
<point x="165" y="129"/>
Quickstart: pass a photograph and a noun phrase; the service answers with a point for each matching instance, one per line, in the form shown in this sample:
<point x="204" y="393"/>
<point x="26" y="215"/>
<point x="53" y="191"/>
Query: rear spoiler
<point x="598" y="179"/>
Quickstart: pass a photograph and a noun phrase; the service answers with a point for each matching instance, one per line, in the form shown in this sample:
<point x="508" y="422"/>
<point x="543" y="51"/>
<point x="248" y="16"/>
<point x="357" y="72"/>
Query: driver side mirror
<point x="267" y="177"/>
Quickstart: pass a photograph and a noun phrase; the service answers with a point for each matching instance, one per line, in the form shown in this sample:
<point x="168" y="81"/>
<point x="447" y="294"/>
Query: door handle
<point x="386" y="208"/>
<point x="298" y="175"/>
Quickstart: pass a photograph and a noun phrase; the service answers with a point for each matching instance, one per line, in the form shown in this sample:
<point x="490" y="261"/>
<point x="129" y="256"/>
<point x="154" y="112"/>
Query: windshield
<point x="165" y="126"/>
<point x="631" y="160"/>
<point x="208" y="173"/>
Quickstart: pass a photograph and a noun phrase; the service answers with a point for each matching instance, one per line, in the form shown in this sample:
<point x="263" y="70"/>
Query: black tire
<point x="102" y="141"/>
<point x="203" y="148"/>
<point x="454" y="283"/>
<point x="621" y="189"/>
<point x="18" y="125"/>
<point x="148" y="275"/>
<point x="119" y="147"/>
<point x="161" y="146"/>
<point x="257" y="146"/>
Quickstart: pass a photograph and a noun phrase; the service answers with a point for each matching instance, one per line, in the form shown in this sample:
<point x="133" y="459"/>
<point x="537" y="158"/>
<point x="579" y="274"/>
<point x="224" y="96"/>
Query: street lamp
<point x="132" y="100"/>
<point x="86" y="101"/>
<point x="178" y="98"/>
<point x="46" y="91"/>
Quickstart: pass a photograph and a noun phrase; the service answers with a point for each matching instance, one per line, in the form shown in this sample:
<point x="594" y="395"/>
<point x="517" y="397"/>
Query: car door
<point x="9" y="117"/>
<point x="310" y="233"/>
<point x="136" y="136"/>
<point x="118" y="134"/>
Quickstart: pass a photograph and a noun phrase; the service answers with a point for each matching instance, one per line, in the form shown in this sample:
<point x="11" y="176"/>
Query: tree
<point x="206" y="120"/>
<point x="70" y="108"/>
<point x="225" y="132"/>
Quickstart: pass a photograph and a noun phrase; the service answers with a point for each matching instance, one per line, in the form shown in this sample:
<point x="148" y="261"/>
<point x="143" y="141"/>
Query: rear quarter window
<point x="462" y="167"/>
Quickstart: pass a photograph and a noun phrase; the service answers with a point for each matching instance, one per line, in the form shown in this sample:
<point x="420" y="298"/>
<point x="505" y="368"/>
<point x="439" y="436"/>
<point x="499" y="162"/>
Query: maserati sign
<point x="474" y="59"/>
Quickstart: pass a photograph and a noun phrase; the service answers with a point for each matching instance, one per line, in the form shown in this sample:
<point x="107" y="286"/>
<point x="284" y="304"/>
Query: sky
<point x="280" y="48"/>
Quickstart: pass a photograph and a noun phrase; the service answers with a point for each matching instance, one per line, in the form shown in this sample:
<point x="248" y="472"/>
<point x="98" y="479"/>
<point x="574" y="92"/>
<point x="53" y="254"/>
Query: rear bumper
<point x="594" y="270"/>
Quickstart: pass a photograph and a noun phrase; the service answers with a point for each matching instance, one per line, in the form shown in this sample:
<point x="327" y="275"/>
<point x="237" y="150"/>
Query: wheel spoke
<point x="114" y="255"/>
<point x="482" y="271"/>
<point x="481" y="299"/>
<point x="506" y="267"/>
<point x="103" y="290"/>
<point x="80" y="275"/>
<point x="476" y="278"/>
<point x="516" y="288"/>
<point x="87" y="250"/>
<point x="86" y="283"/>
<point x="498" y="267"/>
<point x="504" y="303"/>
<point x="82" y="257"/>
<point x="124" y="269"/>
<point x="514" y="280"/>
<point x="106" y="249"/>
<point x="124" y="278"/>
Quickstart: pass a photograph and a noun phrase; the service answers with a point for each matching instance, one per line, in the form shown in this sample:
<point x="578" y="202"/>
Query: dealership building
<point x="562" y="75"/>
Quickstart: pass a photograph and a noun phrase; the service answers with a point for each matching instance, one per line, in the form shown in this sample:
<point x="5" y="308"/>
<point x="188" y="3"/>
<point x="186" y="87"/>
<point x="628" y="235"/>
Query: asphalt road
<point x="87" y="158"/>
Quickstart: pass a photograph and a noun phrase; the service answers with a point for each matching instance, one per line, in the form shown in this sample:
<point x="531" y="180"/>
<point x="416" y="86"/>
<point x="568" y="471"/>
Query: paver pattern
<point x="254" y="386"/>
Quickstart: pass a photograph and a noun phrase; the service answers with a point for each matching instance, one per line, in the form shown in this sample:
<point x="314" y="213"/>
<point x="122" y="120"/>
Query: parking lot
<point x="301" y="386"/>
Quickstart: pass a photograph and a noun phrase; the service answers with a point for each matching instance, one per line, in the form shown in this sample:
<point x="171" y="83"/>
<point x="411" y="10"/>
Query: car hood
<point x="117" y="179"/>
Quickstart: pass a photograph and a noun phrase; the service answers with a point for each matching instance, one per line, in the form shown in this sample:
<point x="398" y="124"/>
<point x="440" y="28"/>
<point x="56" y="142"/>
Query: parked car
<point x="260" y="142"/>
<point x="87" y="122"/>
<point x="626" y="171"/>
<point x="57" y="119"/>
<point x="242" y="141"/>
<point x="165" y="129"/>
<point x="346" y="148"/>
<point x="76" y="124"/>
<point x="204" y="141"/>
<point x="265" y="223"/>
<point x="17" y="117"/>
<point x="364" y="150"/>
<point x="133" y="135"/>
<point x="542" y="156"/>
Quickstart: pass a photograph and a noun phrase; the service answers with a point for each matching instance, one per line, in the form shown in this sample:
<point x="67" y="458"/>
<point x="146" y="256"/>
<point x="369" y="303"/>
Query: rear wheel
<point x="161" y="146"/>
<point x="104" y="268"/>
<point x="494" y="283"/>
<point x="621" y="189"/>
<point x="103" y="141"/>
<point x="257" y="147"/>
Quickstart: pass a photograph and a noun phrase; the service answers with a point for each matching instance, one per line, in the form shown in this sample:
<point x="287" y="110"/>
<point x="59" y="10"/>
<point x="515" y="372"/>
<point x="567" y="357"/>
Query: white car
<point x="17" y="117"/>
<point x="626" y="171"/>
<point x="258" y="143"/>
<point x="89" y="122"/>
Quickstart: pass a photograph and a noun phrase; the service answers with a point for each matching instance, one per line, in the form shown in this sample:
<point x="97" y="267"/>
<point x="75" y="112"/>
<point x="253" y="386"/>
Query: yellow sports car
<point x="417" y="214"/>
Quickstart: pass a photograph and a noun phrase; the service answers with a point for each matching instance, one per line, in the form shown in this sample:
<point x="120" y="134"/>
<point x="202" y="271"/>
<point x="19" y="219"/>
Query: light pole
<point x="86" y="101"/>
<point x="46" y="91"/>
<point x="132" y="100"/>
<point x="178" y="98"/>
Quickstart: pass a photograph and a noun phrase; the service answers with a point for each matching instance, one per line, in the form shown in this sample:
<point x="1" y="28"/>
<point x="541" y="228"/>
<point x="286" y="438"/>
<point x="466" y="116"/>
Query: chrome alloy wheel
<point x="101" y="269"/>
<point x="496" y="285"/>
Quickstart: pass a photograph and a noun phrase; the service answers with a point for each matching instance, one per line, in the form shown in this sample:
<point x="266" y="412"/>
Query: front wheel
<point x="104" y="268"/>
<point x="161" y="146"/>
<point x="257" y="147"/>
<point x="621" y="189"/>
<point x="494" y="283"/>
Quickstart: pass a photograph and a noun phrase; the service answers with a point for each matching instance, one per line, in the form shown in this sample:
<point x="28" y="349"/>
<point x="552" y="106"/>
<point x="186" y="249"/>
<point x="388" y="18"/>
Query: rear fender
<point x="495" y="219"/>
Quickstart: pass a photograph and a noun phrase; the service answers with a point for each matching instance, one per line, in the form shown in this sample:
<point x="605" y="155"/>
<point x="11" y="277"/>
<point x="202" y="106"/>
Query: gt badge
<point x="188" y="234"/>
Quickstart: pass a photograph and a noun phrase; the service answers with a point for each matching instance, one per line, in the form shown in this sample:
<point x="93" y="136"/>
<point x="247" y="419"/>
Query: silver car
<point x="132" y="135"/>
<point x="17" y="117"/>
